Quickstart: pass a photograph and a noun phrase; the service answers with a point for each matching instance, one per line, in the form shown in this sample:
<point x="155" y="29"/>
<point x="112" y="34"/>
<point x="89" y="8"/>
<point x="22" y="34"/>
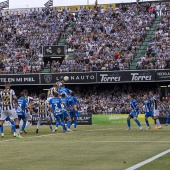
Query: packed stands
<point x="158" y="51"/>
<point x="100" y="39"/>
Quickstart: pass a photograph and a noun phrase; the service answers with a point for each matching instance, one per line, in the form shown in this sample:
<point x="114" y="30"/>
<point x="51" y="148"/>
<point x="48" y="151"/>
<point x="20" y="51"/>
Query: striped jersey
<point x="155" y="102"/>
<point x="6" y="96"/>
<point x="148" y="105"/>
<point x="42" y="108"/>
<point x="51" y="91"/>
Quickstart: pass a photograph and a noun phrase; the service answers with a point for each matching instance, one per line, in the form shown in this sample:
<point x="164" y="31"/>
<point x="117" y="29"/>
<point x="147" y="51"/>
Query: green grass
<point x="95" y="147"/>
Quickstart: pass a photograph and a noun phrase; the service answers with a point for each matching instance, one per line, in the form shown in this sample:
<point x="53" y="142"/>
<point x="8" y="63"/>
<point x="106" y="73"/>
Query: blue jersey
<point x="22" y="102"/>
<point x="133" y="105"/>
<point x="56" y="105"/>
<point x="66" y="91"/>
<point x="72" y="102"/>
<point x="148" y="105"/>
<point x="65" y="101"/>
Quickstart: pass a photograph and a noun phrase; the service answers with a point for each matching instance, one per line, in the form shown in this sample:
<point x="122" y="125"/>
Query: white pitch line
<point x="53" y="134"/>
<point x="148" y="160"/>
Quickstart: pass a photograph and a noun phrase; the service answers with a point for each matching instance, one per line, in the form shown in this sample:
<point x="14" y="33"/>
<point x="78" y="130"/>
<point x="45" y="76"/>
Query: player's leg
<point x="135" y="117"/>
<point x="167" y="119"/>
<point x="156" y="117"/>
<point x="2" y="128"/>
<point x="128" y="121"/>
<point x="13" y="127"/>
<point x="3" y="116"/>
<point x="23" y="126"/>
<point x="67" y="121"/>
<point x="75" y="122"/>
<point x="49" y="121"/>
<point x="38" y="124"/>
<point x="146" y="120"/>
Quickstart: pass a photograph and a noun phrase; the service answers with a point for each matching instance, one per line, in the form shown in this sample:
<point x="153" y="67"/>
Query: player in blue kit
<point x="74" y="114"/>
<point x="20" y="109"/>
<point x="148" y="110"/>
<point x="134" y="114"/>
<point x="67" y="118"/>
<point x="64" y="90"/>
<point x="56" y="105"/>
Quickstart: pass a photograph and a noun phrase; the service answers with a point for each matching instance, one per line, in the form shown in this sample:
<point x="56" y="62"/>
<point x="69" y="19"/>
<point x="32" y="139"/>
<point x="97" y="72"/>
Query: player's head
<point x="25" y="92"/>
<point x="7" y="85"/>
<point x="62" y="80"/>
<point x="63" y="95"/>
<point x="42" y="96"/>
<point x="72" y="93"/>
<point x="151" y="94"/>
<point x="55" y="94"/>
<point x="22" y="94"/>
<point x="130" y="96"/>
<point x="62" y="85"/>
<point x="145" y="96"/>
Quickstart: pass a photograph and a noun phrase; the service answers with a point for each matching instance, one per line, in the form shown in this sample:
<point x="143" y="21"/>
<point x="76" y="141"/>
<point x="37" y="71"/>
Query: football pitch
<point x="105" y="145"/>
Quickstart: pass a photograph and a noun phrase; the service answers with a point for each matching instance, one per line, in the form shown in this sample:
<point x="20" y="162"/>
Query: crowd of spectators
<point x="107" y="40"/>
<point x="158" y="51"/>
<point x="22" y="38"/>
<point x="101" y="39"/>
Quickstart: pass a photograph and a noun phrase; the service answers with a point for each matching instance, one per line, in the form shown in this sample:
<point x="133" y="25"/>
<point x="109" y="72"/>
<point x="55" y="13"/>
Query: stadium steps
<point x="144" y="46"/>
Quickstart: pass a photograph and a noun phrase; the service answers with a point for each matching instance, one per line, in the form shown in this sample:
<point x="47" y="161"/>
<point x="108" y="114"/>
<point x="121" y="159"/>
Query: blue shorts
<point x="23" y="116"/>
<point x="59" y="117"/>
<point x="133" y="114"/>
<point x="73" y="114"/>
<point x="66" y="114"/>
<point x="7" y="118"/>
<point x="149" y="114"/>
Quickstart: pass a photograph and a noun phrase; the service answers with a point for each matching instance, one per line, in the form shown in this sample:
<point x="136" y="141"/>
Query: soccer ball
<point x="66" y="78"/>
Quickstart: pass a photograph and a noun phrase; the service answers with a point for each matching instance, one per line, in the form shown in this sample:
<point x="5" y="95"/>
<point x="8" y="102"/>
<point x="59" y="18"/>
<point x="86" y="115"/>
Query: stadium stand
<point x="158" y="50"/>
<point x="98" y="39"/>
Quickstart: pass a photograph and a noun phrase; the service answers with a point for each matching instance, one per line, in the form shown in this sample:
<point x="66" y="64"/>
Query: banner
<point x="126" y="76"/>
<point x="74" y="78"/>
<point x="54" y="50"/>
<point x="85" y="120"/>
<point x="163" y="75"/>
<point x="24" y="79"/>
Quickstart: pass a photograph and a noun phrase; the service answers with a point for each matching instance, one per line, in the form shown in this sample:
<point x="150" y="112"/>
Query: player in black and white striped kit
<point x="9" y="101"/>
<point x="42" y="112"/>
<point x="155" y="101"/>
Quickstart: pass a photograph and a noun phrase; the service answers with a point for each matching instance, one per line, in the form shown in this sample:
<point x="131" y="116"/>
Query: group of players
<point x="60" y="104"/>
<point x="150" y="104"/>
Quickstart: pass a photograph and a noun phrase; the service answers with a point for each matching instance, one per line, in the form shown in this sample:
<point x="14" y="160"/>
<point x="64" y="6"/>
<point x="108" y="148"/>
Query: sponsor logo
<point x="141" y="76"/>
<point x="110" y="77"/>
<point x="163" y="73"/>
<point x="48" y="78"/>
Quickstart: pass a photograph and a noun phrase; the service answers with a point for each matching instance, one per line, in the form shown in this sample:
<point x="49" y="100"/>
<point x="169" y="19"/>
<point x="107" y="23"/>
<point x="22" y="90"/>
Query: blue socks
<point x="13" y="126"/>
<point x="69" y="124"/>
<point x="2" y="129"/>
<point x="138" y="123"/>
<point x="147" y="123"/>
<point x="56" y="124"/>
<point x="75" y="123"/>
<point x="23" y="126"/>
<point x="128" y="123"/>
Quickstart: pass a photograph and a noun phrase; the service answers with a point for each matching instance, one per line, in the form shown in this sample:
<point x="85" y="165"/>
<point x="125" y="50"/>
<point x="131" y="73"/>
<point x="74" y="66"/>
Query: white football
<point x="66" y="78"/>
